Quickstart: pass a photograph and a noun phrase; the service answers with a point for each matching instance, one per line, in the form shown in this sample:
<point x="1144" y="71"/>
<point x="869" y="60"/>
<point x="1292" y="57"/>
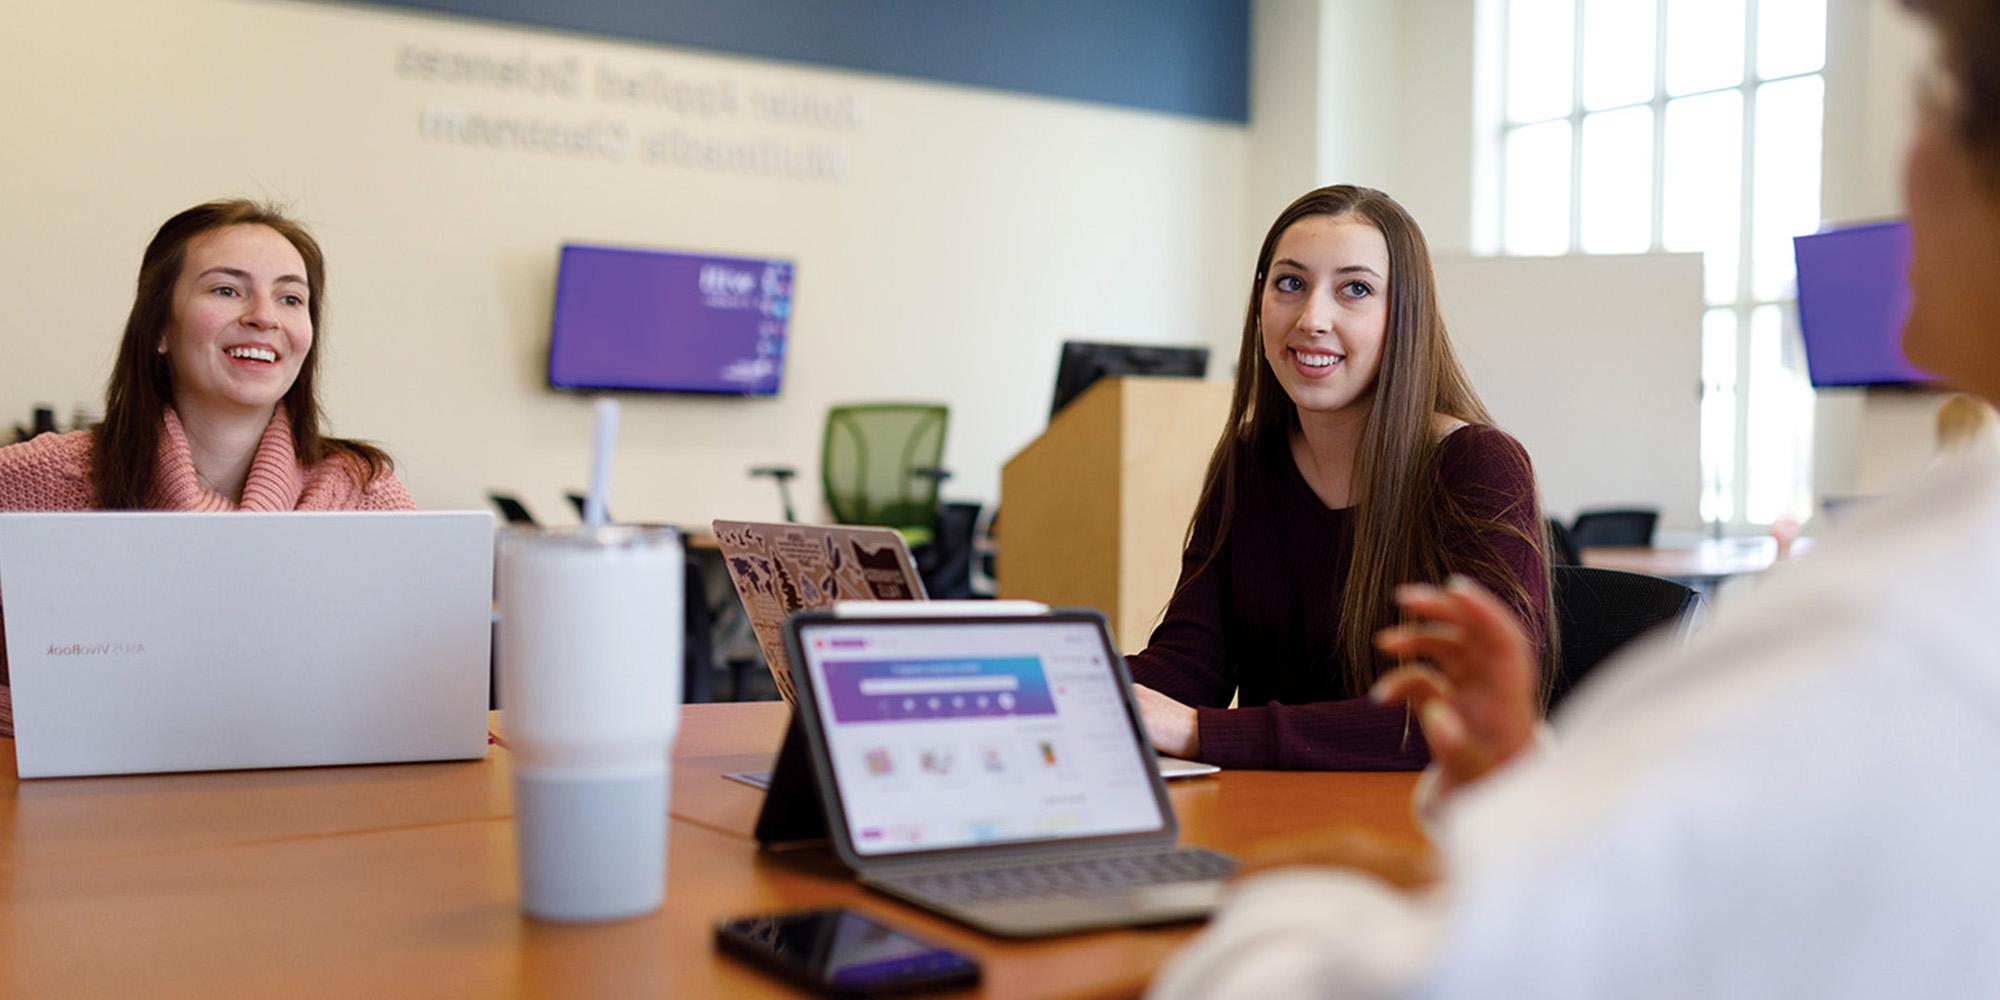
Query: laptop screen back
<point x="957" y="734"/>
<point x="782" y="568"/>
<point x="152" y="641"/>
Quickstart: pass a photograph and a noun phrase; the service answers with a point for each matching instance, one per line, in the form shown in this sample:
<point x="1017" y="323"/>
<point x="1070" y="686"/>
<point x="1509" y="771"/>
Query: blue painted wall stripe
<point x="1187" y="57"/>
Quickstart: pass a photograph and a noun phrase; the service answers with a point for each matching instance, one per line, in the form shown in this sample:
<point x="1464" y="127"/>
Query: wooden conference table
<point x="1701" y="565"/>
<point x="399" y="880"/>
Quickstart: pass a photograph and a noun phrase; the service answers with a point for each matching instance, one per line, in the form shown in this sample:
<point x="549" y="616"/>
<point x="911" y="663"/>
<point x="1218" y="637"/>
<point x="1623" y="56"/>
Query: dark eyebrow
<point x="1349" y="269"/>
<point x="242" y="275"/>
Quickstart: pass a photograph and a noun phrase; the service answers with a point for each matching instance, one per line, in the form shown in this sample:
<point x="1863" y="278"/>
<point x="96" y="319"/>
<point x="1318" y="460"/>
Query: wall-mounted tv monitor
<point x="649" y="320"/>
<point x="1084" y="363"/>
<point x="1854" y="293"/>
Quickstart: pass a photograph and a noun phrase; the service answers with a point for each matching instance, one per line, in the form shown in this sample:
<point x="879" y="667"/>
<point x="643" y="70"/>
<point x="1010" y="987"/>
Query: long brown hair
<point x="1401" y="513"/>
<point x="126" y="452"/>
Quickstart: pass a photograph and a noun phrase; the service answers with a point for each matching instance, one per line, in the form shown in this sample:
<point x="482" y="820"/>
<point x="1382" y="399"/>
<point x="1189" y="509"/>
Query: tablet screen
<point x="953" y="734"/>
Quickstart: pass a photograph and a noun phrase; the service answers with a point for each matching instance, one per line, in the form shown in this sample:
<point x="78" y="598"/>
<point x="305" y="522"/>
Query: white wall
<point x="1867" y="443"/>
<point x="1284" y="111"/>
<point x="1361" y="122"/>
<point x="1875" y="52"/>
<point x="1443" y="111"/>
<point x="1593" y="364"/>
<point x="966" y="235"/>
<point x="1374" y="92"/>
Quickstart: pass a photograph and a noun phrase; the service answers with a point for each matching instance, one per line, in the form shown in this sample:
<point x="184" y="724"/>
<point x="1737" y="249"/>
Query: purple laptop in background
<point x="1854" y="293"/>
<point x="650" y="320"/>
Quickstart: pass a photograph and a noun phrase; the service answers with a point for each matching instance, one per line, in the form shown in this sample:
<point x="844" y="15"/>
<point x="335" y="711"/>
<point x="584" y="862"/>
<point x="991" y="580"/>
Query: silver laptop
<point x="145" y="642"/>
<point x="993" y="769"/>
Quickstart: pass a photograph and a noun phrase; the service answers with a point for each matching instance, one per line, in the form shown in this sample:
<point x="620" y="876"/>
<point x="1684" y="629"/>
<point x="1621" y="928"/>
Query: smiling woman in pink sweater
<point x="213" y="404"/>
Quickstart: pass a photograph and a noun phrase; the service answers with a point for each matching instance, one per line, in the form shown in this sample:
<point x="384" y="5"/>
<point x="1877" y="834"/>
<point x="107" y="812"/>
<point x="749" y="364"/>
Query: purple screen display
<point x="646" y="319"/>
<point x="1854" y="292"/>
<point x="910" y="690"/>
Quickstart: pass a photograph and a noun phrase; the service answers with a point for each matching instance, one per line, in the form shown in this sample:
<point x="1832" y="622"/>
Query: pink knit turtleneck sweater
<point x="52" y="472"/>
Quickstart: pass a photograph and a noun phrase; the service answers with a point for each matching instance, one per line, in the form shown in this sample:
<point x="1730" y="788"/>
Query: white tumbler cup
<point x="590" y="683"/>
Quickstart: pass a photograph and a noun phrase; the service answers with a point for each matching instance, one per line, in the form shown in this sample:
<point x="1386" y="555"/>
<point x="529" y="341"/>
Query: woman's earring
<point x="163" y="347"/>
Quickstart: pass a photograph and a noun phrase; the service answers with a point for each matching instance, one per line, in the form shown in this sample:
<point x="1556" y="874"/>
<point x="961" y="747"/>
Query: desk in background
<point x="1702" y="567"/>
<point x="399" y="880"/>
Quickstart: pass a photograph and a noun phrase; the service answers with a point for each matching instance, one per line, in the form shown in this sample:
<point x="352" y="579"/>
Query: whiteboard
<point x="1594" y="363"/>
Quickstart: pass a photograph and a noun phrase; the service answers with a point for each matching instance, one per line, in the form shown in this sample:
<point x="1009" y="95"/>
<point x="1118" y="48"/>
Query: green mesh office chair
<point x="879" y="464"/>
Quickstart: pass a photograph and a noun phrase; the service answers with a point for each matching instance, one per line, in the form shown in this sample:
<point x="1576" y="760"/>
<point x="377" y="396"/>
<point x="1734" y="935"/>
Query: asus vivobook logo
<point x="98" y="649"/>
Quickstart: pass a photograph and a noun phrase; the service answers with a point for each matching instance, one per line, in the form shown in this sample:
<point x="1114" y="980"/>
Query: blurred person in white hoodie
<point x="1799" y="802"/>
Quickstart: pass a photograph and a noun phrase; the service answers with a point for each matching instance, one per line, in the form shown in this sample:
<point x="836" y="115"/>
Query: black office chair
<point x="511" y="508"/>
<point x="1626" y="526"/>
<point x="1601" y="610"/>
<point x="42" y="422"/>
<point x="697" y="635"/>
<point x="782" y="475"/>
<point x="945" y="562"/>
<point x="986" y="549"/>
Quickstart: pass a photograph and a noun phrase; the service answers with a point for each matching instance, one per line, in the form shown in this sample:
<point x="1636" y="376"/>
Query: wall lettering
<point x="622" y="113"/>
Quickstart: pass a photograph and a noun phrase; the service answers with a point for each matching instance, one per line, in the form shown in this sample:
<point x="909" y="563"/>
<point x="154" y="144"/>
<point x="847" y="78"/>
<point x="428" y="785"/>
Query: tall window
<point x="1684" y="125"/>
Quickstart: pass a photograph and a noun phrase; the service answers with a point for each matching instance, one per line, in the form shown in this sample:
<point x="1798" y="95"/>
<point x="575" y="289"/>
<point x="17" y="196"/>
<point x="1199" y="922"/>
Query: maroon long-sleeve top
<point x="1259" y="622"/>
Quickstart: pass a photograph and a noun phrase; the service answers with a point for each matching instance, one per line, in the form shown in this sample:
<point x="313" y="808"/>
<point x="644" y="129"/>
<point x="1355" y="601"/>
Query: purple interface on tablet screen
<point x="1854" y="293"/>
<point x="923" y="689"/>
<point x="651" y="320"/>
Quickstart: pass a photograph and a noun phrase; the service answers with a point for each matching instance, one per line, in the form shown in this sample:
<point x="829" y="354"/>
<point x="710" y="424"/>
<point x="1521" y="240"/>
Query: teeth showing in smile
<point x="253" y="353"/>
<point x="1316" y="360"/>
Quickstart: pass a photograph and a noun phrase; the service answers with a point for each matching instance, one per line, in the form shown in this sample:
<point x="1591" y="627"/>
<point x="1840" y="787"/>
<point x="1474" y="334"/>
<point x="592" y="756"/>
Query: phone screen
<point x="846" y="951"/>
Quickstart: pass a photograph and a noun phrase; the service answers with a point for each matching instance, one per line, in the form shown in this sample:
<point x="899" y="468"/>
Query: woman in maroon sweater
<point x="1356" y="458"/>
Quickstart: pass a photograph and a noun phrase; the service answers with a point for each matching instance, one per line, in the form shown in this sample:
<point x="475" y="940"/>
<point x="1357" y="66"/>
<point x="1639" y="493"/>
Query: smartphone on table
<point x="844" y="953"/>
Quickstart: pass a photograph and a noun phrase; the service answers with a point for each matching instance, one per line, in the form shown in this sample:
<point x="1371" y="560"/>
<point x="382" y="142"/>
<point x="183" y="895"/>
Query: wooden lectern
<point x="1097" y="507"/>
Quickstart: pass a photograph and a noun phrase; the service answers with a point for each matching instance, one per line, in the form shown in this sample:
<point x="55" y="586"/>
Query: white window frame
<point x="1733" y="493"/>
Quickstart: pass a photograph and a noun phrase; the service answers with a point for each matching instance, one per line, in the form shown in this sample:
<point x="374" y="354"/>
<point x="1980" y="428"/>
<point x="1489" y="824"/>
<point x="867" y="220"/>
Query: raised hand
<point x="1476" y="695"/>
